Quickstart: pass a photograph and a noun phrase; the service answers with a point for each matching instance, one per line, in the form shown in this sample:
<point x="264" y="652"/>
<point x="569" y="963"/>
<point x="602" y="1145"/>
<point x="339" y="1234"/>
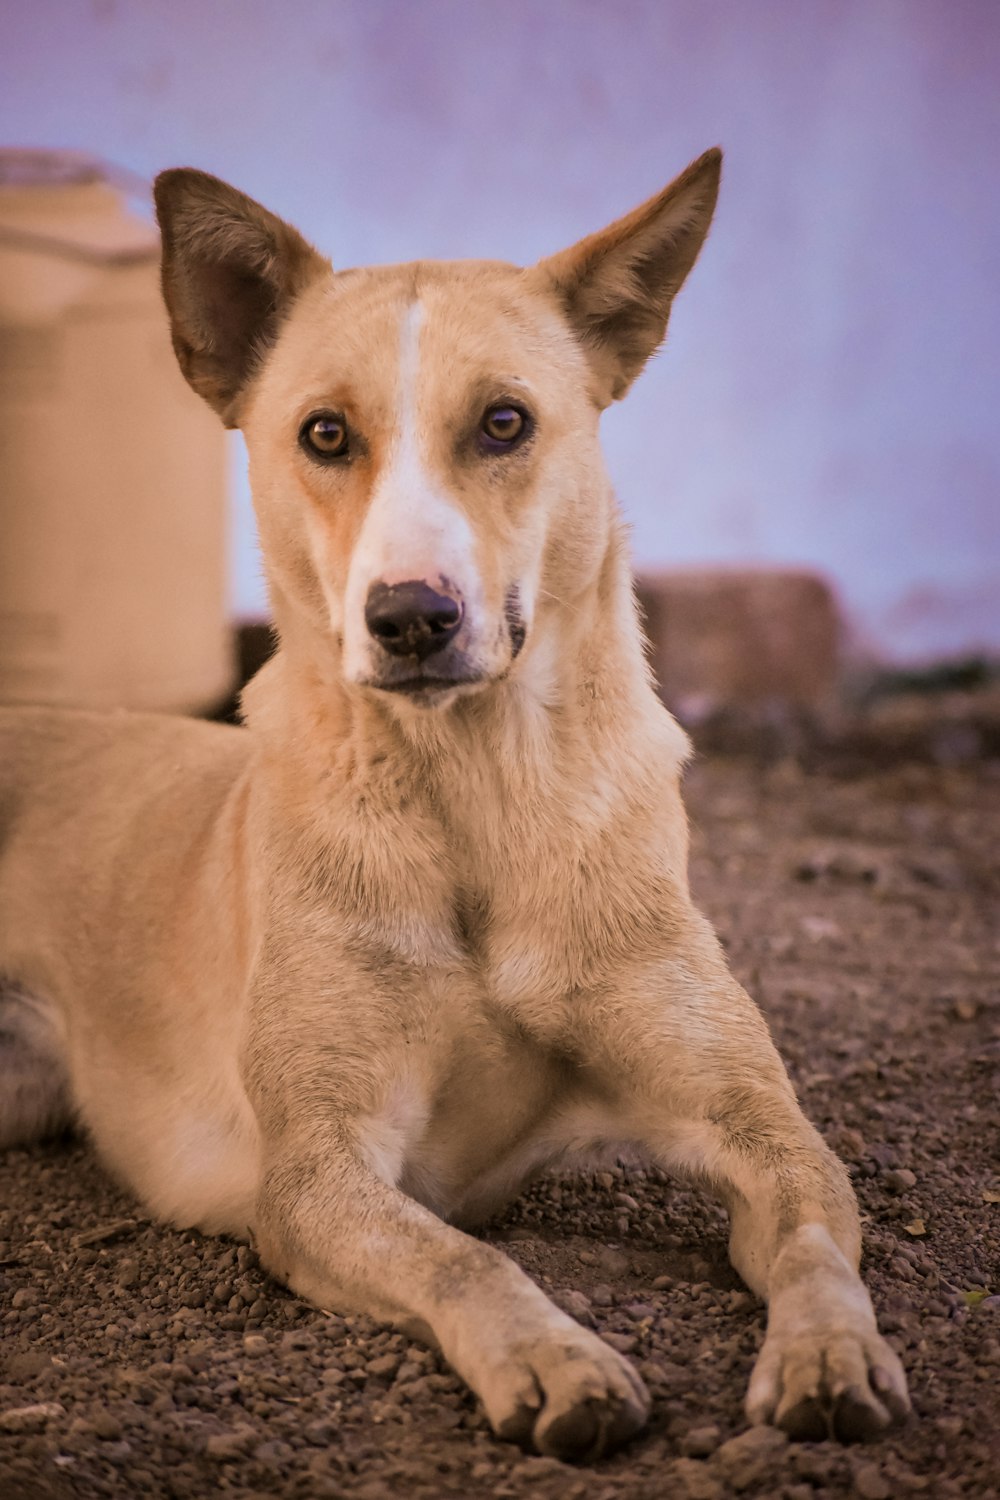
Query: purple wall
<point x="830" y="394"/>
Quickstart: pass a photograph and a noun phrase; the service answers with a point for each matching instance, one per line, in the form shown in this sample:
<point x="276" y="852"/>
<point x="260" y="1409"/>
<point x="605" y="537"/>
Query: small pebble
<point x="223" y="1446"/>
<point x="688" y="1479"/>
<point x="625" y="1343"/>
<point x="744" y="1458"/>
<point x="700" y="1441"/>
<point x="30" y="1418"/>
<point x="871" y="1484"/>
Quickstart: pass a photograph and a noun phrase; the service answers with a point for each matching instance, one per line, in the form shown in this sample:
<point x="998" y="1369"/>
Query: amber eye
<point x="502" y="426"/>
<point x="325" y="435"/>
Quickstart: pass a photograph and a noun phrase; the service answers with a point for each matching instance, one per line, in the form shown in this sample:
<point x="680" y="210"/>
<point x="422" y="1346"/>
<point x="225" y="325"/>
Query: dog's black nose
<point x="412" y="619"/>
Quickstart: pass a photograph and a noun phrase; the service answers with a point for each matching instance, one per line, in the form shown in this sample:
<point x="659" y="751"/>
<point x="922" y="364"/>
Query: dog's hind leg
<point x="34" y="1082"/>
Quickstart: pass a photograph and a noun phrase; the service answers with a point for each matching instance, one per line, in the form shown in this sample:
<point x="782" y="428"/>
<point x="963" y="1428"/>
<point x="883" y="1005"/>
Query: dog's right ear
<point x="230" y="272"/>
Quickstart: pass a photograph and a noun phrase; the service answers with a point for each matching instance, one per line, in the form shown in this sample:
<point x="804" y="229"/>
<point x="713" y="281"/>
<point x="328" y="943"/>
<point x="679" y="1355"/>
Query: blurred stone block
<point x="757" y="642"/>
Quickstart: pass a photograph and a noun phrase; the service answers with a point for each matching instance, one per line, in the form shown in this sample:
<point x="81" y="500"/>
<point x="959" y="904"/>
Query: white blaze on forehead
<point x="412" y="531"/>
<point x="409" y="371"/>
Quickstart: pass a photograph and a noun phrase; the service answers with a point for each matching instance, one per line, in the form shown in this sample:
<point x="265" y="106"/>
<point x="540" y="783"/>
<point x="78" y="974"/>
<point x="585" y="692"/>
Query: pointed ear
<point x="230" y="271"/>
<point x="617" y="286"/>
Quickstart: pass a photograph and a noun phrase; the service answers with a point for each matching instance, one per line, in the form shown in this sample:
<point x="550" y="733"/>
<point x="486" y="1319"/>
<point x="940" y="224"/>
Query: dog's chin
<point x="426" y="689"/>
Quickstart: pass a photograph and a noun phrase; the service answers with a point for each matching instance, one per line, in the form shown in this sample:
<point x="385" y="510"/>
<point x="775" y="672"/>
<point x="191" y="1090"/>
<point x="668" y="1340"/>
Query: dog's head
<point x="422" y="438"/>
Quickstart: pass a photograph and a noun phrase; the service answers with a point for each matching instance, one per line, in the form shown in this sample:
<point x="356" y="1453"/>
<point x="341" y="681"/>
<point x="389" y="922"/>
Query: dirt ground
<point x="859" y="903"/>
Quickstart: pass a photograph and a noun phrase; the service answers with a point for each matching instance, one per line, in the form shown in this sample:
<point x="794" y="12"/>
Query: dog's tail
<point x="35" y="1099"/>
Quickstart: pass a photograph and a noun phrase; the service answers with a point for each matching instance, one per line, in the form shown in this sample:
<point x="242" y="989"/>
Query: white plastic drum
<point x="113" y="572"/>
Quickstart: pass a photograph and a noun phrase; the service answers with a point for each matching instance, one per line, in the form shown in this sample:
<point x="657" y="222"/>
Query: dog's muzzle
<point x="415" y="625"/>
<point x="422" y="650"/>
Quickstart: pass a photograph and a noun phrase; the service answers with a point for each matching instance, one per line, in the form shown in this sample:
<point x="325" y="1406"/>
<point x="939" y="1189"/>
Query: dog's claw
<point x="519" y="1423"/>
<point x="806" y="1421"/>
<point x="857" y="1418"/>
<point x="849" y="1386"/>
<point x="569" y="1397"/>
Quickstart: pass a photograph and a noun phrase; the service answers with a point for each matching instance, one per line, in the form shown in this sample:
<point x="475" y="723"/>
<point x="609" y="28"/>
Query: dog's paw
<point x="844" y="1384"/>
<point x="567" y="1394"/>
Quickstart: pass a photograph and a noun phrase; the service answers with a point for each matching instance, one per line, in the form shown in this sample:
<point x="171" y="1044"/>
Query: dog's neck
<point x="576" y="722"/>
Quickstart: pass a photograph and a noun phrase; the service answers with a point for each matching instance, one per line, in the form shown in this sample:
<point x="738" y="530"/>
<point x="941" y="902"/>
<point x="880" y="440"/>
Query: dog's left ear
<point x="617" y="286"/>
<point x="231" y="270"/>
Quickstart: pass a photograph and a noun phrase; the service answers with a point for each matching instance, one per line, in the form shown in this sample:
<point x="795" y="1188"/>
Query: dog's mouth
<point x="425" y="688"/>
<point x="415" y="687"/>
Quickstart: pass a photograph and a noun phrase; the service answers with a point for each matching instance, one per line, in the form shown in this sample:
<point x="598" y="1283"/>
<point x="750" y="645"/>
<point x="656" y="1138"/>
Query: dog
<point x="344" y="978"/>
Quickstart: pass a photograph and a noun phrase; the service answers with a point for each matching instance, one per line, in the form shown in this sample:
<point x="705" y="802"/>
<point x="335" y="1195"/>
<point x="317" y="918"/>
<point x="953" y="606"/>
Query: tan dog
<point x="422" y="928"/>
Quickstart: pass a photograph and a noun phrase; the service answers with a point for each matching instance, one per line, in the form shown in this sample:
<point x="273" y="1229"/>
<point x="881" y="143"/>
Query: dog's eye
<point x="502" y="426"/>
<point x="325" y="436"/>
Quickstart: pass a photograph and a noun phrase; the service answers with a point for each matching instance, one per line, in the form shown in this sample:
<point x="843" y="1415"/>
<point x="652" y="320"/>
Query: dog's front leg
<point x="331" y="1223"/>
<point x="341" y="1237"/>
<point x="712" y="1099"/>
